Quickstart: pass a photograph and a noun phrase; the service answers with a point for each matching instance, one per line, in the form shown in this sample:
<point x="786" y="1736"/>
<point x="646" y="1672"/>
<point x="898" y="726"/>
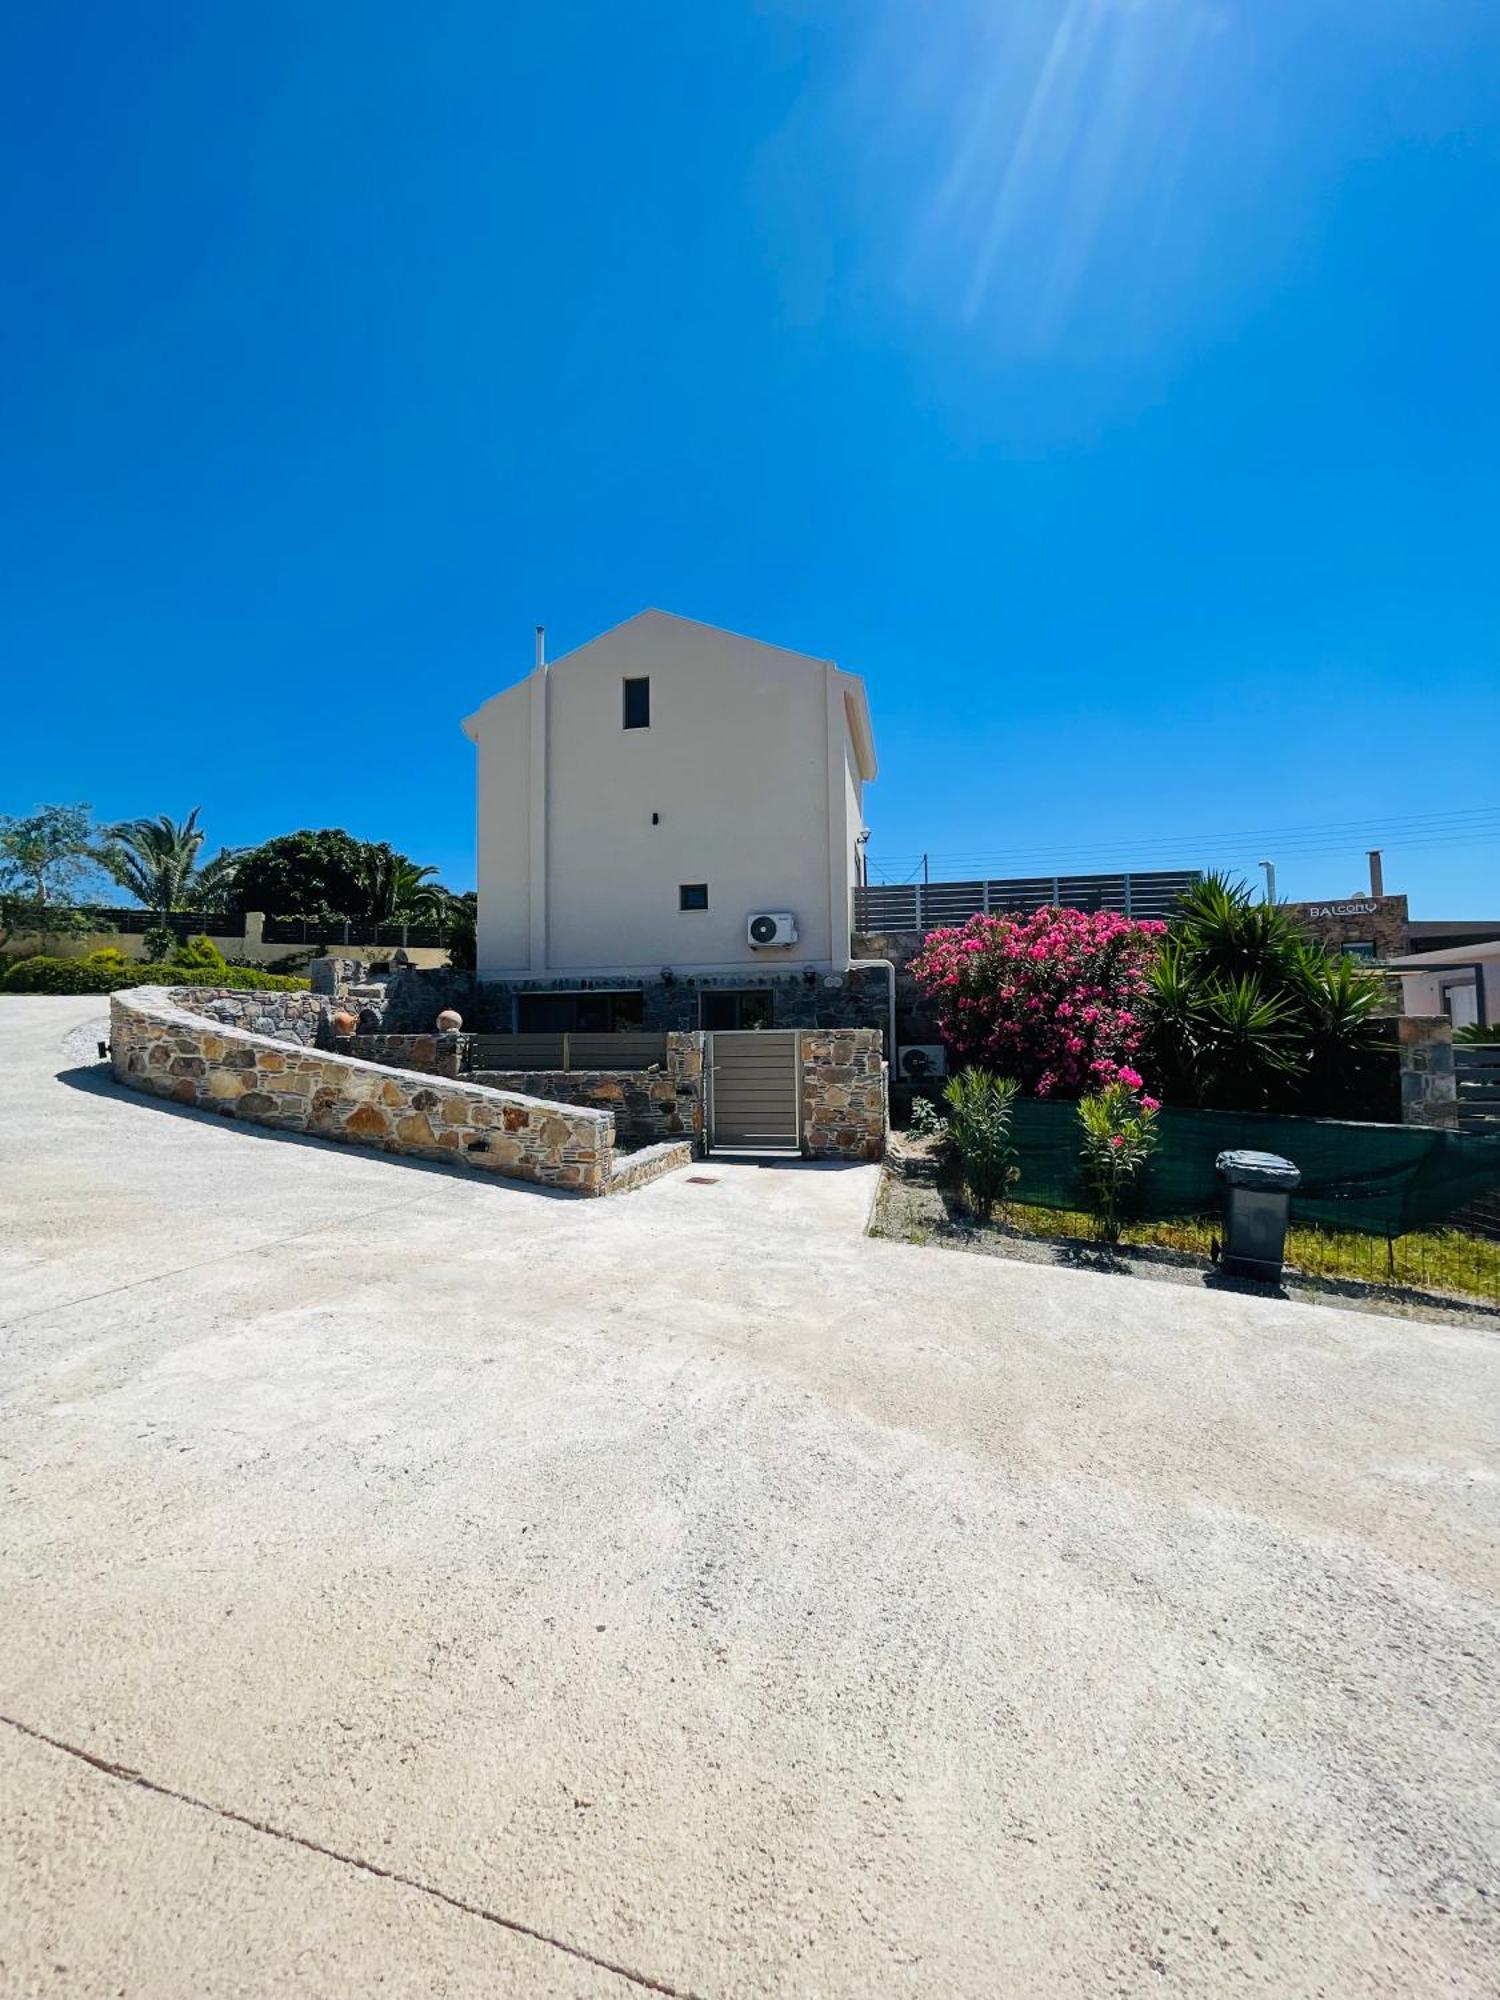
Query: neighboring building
<point x="642" y="801"/>
<point x="1461" y="981"/>
<point x="1374" y="927"/>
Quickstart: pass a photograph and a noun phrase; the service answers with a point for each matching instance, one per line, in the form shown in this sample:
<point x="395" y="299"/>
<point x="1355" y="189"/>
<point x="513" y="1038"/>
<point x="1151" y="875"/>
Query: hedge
<point x="77" y="975"/>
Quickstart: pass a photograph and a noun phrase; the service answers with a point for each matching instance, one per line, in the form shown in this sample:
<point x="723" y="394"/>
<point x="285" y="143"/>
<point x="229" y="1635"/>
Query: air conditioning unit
<point x="768" y="927"/>
<point x="919" y="1061"/>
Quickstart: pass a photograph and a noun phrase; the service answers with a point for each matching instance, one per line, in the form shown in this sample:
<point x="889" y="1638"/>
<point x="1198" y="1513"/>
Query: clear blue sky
<point x="1114" y="383"/>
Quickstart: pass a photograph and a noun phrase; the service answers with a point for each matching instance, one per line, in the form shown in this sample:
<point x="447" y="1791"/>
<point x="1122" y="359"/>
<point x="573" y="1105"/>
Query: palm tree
<point x="397" y="891"/>
<point x="157" y="861"/>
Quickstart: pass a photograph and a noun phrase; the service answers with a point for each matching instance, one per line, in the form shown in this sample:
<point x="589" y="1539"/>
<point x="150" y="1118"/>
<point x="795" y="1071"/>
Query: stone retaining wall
<point x="433" y="1055"/>
<point x="167" y="1042"/>
<point x="844" y="1114"/>
<point x="633" y="1170"/>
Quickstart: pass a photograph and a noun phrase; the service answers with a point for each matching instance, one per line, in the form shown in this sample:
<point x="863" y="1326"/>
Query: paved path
<point x="498" y="1593"/>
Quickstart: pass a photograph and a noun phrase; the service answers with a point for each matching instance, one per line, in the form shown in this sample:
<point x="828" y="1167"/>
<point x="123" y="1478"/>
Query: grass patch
<point x="1447" y="1260"/>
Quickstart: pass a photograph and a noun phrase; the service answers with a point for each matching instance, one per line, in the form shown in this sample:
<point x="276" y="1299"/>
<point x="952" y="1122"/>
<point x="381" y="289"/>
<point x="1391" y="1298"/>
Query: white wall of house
<point x="753" y="765"/>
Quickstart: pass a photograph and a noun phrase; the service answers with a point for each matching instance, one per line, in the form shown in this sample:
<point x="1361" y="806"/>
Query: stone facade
<point x="414" y="999"/>
<point x="844" y="1115"/>
<point x="913" y="1023"/>
<point x="167" y="1042"/>
<point x="646" y="1104"/>
<point x="1380" y="921"/>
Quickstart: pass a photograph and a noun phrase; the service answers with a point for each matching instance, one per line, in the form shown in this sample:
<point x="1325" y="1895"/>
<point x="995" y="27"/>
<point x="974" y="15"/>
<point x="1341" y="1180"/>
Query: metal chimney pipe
<point x="1377" y="873"/>
<point x="1270" y="868"/>
<point x="541" y="645"/>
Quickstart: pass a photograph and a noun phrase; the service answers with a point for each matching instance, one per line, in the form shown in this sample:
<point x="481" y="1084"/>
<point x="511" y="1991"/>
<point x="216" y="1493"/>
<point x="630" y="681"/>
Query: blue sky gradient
<point x="1112" y="382"/>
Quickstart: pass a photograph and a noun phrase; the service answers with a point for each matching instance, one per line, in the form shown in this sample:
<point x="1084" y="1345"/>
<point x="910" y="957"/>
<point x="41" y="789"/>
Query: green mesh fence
<point x="1384" y="1180"/>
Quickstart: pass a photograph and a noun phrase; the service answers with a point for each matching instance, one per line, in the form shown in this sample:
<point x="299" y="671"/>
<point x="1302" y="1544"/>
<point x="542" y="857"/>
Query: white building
<point x="644" y="798"/>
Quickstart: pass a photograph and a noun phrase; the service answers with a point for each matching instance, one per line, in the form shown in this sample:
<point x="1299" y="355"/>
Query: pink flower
<point x="1151" y="1104"/>
<point x="1117" y="1140"/>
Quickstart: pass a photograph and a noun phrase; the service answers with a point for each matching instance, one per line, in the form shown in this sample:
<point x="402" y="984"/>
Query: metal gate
<point x="755" y="1090"/>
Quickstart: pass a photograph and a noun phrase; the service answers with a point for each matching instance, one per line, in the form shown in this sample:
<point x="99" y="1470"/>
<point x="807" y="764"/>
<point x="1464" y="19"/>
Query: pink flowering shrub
<point x="1055" y="1000"/>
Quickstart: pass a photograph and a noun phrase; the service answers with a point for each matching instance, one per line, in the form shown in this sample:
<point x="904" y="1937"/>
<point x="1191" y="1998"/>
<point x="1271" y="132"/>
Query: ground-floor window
<point x="748" y="1007"/>
<point x="577" y="1013"/>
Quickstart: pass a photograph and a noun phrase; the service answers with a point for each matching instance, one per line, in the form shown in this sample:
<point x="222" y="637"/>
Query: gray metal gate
<point x="755" y="1090"/>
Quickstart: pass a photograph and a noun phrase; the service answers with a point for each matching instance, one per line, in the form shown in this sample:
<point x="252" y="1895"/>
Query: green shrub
<point x="1474" y="1033"/>
<point x="926" y="1120"/>
<point x="103" y="972"/>
<point x="199" y="954"/>
<point x="979" y="1109"/>
<point x="158" y="943"/>
<point x="1119" y="1137"/>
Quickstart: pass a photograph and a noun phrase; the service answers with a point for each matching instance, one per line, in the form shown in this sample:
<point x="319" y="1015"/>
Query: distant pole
<point x="924" y="868"/>
<point x="1270" y="868"/>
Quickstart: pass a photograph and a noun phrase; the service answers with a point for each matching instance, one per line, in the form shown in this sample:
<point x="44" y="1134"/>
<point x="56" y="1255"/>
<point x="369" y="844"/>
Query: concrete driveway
<point x="416" y="1585"/>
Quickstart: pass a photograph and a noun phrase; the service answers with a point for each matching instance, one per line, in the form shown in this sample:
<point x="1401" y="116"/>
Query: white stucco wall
<point x="748" y="764"/>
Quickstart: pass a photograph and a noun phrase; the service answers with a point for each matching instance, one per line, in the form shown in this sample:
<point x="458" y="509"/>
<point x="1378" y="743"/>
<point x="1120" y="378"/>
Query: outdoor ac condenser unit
<point x="920" y="1060"/>
<point x="768" y="927"/>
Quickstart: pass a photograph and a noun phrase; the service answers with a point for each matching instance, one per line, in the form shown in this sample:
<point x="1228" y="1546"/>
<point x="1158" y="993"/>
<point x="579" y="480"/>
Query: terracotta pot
<point x="345" y="1023"/>
<point x="449" y="1021"/>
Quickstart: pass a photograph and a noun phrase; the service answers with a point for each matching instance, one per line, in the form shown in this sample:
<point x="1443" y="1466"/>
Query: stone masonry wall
<point x="647" y="1104"/>
<point x="1429" y="1084"/>
<point x="844" y="1112"/>
<point x="167" y="1042"/>
<point x="285" y="1017"/>
<point x="433" y="1055"/>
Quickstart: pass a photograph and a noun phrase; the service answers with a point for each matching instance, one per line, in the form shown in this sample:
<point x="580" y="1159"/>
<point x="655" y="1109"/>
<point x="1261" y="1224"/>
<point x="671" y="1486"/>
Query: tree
<point x="156" y="861"/>
<point x="1245" y="1014"/>
<point x="462" y="931"/>
<point x="46" y="860"/>
<point x="395" y="890"/>
<point x="1054" y="999"/>
<point x="303" y="874"/>
<point x="331" y="875"/>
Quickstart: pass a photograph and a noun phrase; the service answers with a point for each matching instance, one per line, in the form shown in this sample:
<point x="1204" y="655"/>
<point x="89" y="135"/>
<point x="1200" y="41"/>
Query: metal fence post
<point x="567" y="1052"/>
<point x="1127" y="895"/>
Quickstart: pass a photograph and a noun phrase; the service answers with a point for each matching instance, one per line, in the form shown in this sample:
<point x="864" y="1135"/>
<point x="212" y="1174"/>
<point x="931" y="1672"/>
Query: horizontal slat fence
<point x="349" y="930"/>
<point x="1476" y="1071"/>
<point x="566" y="1052"/>
<point x="925" y="906"/>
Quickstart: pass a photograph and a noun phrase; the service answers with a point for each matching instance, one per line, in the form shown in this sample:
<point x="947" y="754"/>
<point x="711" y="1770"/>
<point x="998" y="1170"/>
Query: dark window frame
<point x="637" y="716"/>
<point x="692" y="889"/>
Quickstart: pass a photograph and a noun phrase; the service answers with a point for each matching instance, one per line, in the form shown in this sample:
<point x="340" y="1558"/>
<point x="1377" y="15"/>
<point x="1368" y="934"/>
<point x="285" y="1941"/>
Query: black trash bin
<point x="1257" y="1200"/>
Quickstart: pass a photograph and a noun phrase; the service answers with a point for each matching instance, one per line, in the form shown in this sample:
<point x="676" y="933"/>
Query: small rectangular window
<point x="638" y="703"/>
<point x="692" y="896"/>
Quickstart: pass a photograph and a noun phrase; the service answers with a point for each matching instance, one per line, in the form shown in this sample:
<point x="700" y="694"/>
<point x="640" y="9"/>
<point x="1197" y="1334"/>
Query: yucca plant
<point x="1247" y="1015"/>
<point x="979" y="1113"/>
<point x="1338" y="1001"/>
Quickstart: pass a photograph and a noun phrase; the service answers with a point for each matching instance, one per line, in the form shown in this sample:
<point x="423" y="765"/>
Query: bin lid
<point x="1258" y="1170"/>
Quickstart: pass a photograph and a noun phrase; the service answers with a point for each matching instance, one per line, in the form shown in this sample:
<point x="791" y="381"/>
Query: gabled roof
<point x="856" y="705"/>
